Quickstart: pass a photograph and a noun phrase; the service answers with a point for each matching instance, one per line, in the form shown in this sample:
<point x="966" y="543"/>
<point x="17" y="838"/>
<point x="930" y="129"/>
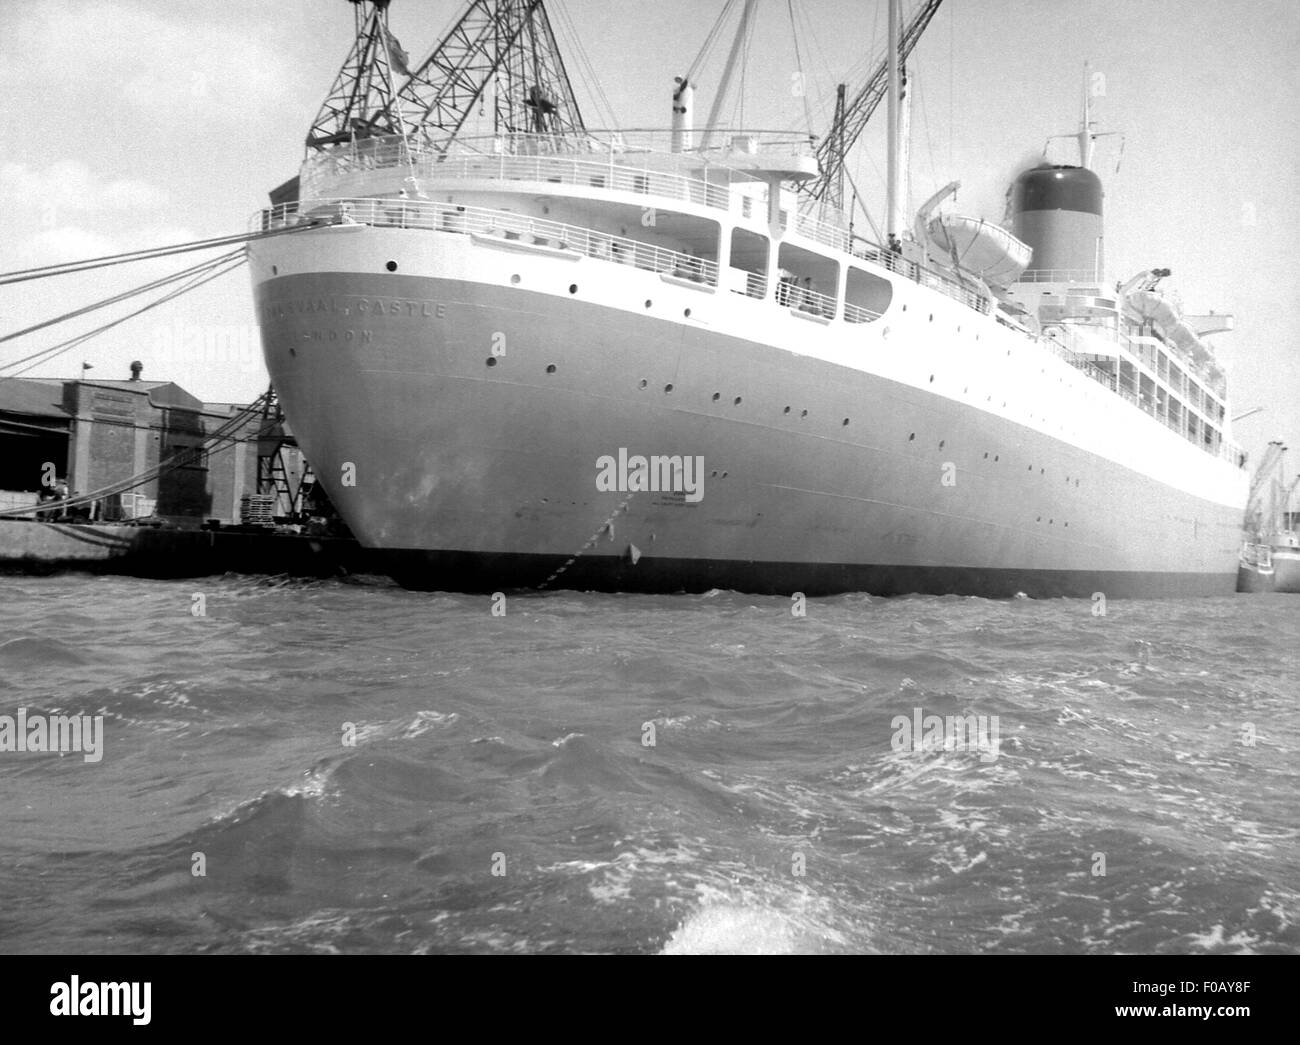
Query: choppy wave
<point x="353" y="767"/>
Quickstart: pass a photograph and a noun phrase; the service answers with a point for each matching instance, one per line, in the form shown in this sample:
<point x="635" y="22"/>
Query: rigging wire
<point x="204" y="274"/>
<point x="116" y="298"/>
<point x="710" y="41"/>
<point x="144" y="254"/>
<point x="586" y="70"/>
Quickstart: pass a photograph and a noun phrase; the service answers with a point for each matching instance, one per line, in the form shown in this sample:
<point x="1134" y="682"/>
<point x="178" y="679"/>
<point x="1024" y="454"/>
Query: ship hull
<point x="1286" y="570"/>
<point x="458" y="427"/>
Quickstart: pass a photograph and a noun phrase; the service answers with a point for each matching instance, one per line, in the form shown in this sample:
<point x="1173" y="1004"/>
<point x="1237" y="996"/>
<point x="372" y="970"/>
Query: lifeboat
<point x="987" y="250"/>
<point x="1148" y="305"/>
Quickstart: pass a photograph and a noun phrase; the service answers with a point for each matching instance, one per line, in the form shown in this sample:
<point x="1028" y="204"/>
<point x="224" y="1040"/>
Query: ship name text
<point x="355" y="306"/>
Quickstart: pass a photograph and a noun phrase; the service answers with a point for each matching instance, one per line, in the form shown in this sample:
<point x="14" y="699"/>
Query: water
<point x="771" y="814"/>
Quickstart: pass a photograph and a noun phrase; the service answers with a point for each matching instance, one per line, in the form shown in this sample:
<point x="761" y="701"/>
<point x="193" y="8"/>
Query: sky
<point x="134" y="123"/>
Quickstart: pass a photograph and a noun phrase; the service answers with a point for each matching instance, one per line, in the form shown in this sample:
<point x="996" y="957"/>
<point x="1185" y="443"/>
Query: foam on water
<point x="502" y="796"/>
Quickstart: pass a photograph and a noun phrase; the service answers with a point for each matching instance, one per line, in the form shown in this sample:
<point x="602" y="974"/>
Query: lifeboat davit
<point x="987" y="250"/>
<point x="1150" y="305"/>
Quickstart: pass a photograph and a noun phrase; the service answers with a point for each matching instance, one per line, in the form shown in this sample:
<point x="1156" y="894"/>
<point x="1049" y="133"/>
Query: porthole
<point x="275" y="270"/>
<point x="550" y="368"/>
<point x="573" y="288"/>
<point x="687" y="313"/>
<point x="391" y="266"/>
<point x="786" y="410"/>
<point x="717" y="396"/>
<point x="931" y="379"/>
<point x="514" y="278"/>
<point x="648" y="302"/>
<point x="644" y="382"/>
<point x="803" y="413"/>
<point x="491" y="360"/>
<point x="941" y="443"/>
<point x="667" y="389"/>
<point x="844" y="423"/>
<point x="911" y="437"/>
<point x="737" y="401"/>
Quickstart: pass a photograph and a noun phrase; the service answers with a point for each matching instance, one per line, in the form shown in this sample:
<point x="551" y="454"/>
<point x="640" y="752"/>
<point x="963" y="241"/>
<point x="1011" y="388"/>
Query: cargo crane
<point x="507" y="46"/>
<point x="504" y="50"/>
<point x="1261" y="484"/>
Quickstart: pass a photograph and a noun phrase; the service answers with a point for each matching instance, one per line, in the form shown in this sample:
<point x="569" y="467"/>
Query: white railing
<point x="394" y="150"/>
<point x="1218" y="448"/>
<point x="755" y="286"/>
<point x="564" y="159"/>
<point x="804" y="299"/>
<point x="587" y="173"/>
<point x="526" y="231"/>
<point x="1059" y="276"/>
<point x="927" y="277"/>
<point x="858" y="314"/>
<point x="822" y="232"/>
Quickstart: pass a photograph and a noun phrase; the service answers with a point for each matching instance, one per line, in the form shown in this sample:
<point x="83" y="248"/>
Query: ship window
<point x="746" y="273"/>
<point x="808" y="281"/>
<point x="866" y="296"/>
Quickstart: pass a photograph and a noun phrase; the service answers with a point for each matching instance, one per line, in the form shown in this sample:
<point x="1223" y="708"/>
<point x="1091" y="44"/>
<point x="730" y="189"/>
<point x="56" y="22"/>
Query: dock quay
<point x="29" y="546"/>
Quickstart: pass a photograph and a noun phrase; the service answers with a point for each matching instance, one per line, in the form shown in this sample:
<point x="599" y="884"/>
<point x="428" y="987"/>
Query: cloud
<point x="154" y="62"/>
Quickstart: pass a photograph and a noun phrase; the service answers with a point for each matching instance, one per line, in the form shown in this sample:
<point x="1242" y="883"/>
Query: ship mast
<point x="1085" y="136"/>
<point x="724" y="85"/>
<point x="833" y="149"/>
<point x="893" y="187"/>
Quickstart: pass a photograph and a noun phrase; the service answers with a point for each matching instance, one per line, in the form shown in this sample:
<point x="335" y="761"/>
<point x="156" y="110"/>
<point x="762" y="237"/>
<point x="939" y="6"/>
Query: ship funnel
<point x="683" y="115"/>
<point x="1056" y="210"/>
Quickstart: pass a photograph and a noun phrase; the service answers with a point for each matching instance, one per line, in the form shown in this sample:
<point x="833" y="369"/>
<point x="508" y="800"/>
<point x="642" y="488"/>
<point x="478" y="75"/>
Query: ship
<point x="659" y="360"/>
<point x="1270" y="552"/>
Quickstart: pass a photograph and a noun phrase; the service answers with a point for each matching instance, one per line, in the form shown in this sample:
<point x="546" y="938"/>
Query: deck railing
<point x="521" y="229"/>
<point x="1059" y="276"/>
<point x="857" y="314"/>
<point x="804" y="299"/>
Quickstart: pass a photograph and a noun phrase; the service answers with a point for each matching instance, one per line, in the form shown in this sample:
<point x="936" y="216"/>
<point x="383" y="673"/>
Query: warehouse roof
<point x="32" y="398"/>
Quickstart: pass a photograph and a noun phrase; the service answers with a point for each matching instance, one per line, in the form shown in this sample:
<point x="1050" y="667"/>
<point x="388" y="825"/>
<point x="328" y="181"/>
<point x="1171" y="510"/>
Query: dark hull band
<point x="490" y="572"/>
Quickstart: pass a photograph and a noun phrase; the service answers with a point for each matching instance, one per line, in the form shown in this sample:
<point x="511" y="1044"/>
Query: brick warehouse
<point x="97" y="432"/>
